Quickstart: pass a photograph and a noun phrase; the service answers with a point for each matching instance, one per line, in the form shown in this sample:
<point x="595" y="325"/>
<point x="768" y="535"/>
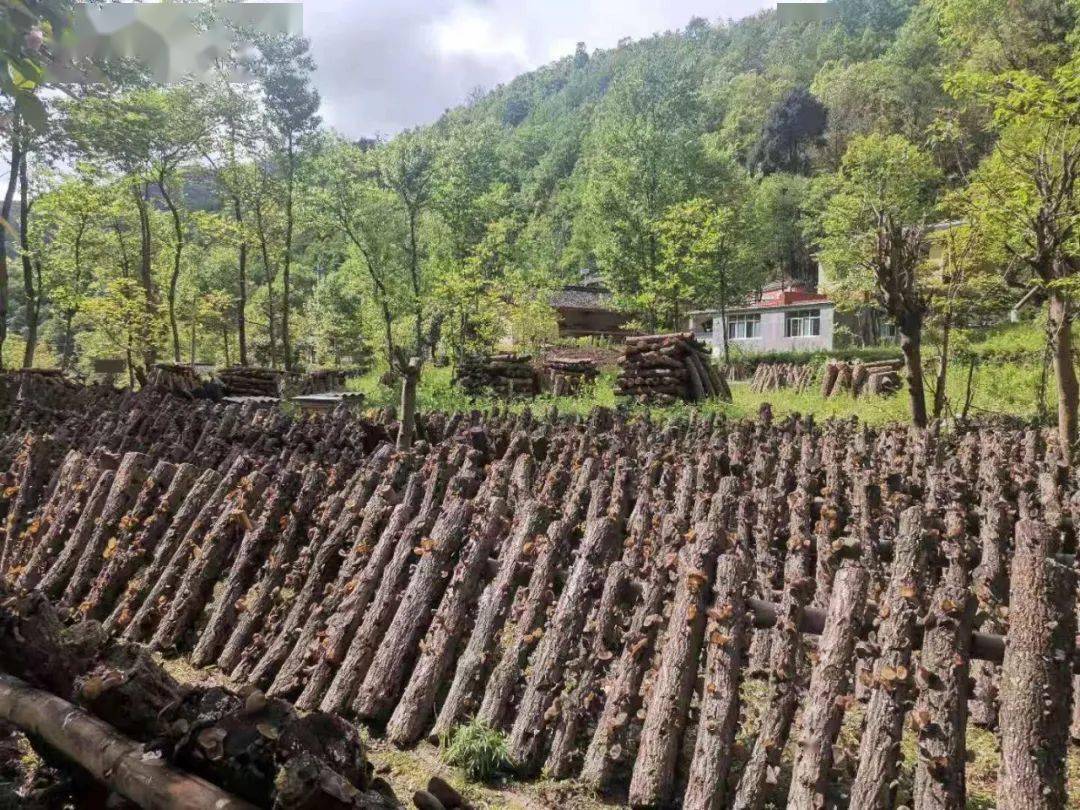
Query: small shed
<point x="587" y="309"/>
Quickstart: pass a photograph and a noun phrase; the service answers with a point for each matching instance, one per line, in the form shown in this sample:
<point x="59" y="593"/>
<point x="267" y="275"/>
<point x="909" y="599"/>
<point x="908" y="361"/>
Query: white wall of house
<point x="771" y="330"/>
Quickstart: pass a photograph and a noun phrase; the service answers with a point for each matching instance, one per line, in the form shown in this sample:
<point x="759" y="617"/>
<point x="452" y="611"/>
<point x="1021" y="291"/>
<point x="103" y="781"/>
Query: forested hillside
<point x="224" y="222"/>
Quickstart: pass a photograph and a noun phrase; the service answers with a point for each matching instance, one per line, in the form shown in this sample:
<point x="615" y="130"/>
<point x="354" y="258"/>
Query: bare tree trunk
<point x="910" y="326"/>
<point x="17" y="158"/>
<point x="33" y="304"/>
<point x="1064" y="370"/>
<point x="409" y="379"/>
<point x="174" y="276"/>
<point x="146" y="276"/>
<point x="286" y="345"/>
<point x="241" y="306"/>
<point x="943" y="366"/>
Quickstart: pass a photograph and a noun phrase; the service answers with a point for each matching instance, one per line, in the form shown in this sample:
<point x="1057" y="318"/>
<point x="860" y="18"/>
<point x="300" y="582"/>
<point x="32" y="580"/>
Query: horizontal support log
<point x="984" y="646"/>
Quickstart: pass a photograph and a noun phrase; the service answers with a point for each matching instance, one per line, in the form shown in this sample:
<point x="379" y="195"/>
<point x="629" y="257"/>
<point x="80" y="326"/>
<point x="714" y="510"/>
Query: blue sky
<point x="385" y="65"/>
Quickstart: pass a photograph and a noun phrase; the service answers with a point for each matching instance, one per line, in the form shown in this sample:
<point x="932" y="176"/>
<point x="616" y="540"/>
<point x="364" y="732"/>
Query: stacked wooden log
<point x="251" y="381"/>
<point x="501" y="375"/>
<point x="173" y="378"/>
<point x="775" y="376"/>
<point x="323" y="381"/>
<point x="877" y="378"/>
<point x="662" y="369"/>
<point x="566" y="580"/>
<point x="566" y="375"/>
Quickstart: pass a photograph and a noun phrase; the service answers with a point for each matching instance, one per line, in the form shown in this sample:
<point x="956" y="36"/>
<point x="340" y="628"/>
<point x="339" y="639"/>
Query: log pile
<point x="878" y="378"/>
<point x="323" y="381"/>
<point x="257" y="751"/>
<point x="775" y="376"/>
<point x="251" y="381"/>
<point x="502" y="375"/>
<point x="173" y="378"/>
<point x="663" y="369"/>
<point x="566" y="375"/>
<point x="567" y="579"/>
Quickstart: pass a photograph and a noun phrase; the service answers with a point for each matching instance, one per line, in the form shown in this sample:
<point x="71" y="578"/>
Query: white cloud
<point x="385" y="65"/>
<point x="472" y="32"/>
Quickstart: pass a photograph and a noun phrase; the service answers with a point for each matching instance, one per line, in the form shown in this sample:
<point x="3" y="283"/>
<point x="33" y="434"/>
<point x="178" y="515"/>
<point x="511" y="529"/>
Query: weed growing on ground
<point x="478" y="749"/>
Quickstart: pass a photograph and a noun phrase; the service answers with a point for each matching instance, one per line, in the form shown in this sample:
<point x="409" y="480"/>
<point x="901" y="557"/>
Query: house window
<point x="743" y="327"/>
<point x="802" y="323"/>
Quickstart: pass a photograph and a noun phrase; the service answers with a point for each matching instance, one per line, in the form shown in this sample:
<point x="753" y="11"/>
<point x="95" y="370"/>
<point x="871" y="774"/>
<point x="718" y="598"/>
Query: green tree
<point x="284" y="68"/>
<point x="704" y="261"/>
<point x="643" y="155"/>
<point x="1026" y="197"/>
<point x="873" y="237"/>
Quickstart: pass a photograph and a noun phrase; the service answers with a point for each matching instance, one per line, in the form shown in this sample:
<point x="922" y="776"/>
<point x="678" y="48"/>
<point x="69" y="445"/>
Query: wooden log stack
<point x="251" y="381"/>
<point x="507" y="376"/>
<point x="567" y="580"/>
<point x="173" y="378"/>
<point x="877" y="378"/>
<point x="663" y="369"/>
<point x="323" y="381"/>
<point x="775" y="376"/>
<point x="565" y="376"/>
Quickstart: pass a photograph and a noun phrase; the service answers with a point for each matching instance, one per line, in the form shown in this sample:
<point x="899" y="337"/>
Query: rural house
<point x="785" y="316"/>
<point x="586" y="309"/>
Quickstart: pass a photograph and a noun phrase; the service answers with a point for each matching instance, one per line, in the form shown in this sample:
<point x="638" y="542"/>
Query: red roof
<point x="778" y="299"/>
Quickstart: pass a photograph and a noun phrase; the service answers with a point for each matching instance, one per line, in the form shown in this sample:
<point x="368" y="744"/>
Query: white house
<point x="787" y="317"/>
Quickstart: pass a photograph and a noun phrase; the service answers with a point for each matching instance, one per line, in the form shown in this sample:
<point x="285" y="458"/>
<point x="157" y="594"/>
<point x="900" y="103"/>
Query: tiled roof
<point x="582" y="297"/>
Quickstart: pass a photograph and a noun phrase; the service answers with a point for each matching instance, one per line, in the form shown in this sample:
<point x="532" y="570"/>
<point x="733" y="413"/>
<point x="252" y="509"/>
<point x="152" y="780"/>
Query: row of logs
<point x="775" y="376"/>
<point x="566" y="376"/>
<point x="600" y="589"/>
<point x="663" y="369"/>
<point x="502" y="375"/>
<point x="879" y="378"/>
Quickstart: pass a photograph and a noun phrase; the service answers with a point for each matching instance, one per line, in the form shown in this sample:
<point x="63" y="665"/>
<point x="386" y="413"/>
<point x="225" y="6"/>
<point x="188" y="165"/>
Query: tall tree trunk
<point x="241" y="309"/>
<point x="33" y="307"/>
<point x="68" y="351"/>
<point x="1064" y="370"/>
<point x="5" y="215"/>
<point x="286" y="348"/>
<point x="409" y="378"/>
<point x="174" y="277"/>
<point x="264" y="249"/>
<point x="145" y="269"/>
<point x="943" y="365"/>
<point x="910" y="326"/>
<point x="723" y="319"/>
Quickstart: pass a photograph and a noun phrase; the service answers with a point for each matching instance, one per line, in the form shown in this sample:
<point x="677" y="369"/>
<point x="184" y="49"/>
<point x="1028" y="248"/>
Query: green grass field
<point x="998" y="388"/>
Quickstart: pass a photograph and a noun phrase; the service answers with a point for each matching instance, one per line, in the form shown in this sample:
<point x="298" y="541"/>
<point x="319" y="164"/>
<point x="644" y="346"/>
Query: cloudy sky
<point x="389" y="64"/>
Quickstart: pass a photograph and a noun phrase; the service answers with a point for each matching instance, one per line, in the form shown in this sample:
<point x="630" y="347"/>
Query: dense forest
<point x="222" y="222"/>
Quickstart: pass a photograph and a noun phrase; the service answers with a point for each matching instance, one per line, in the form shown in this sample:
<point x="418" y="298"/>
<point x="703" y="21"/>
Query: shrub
<point x="477" y="749"/>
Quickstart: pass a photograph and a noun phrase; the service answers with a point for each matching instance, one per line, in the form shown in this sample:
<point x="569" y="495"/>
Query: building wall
<point x="772" y="333"/>
<point x="583" y="323"/>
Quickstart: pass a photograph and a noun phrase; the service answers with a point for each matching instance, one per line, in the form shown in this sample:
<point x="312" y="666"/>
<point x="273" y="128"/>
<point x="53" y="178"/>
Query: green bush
<point x="479" y="750"/>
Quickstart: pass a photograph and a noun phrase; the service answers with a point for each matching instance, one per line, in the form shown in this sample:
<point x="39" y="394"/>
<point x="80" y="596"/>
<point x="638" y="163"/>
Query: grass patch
<point x="479" y="750"/>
